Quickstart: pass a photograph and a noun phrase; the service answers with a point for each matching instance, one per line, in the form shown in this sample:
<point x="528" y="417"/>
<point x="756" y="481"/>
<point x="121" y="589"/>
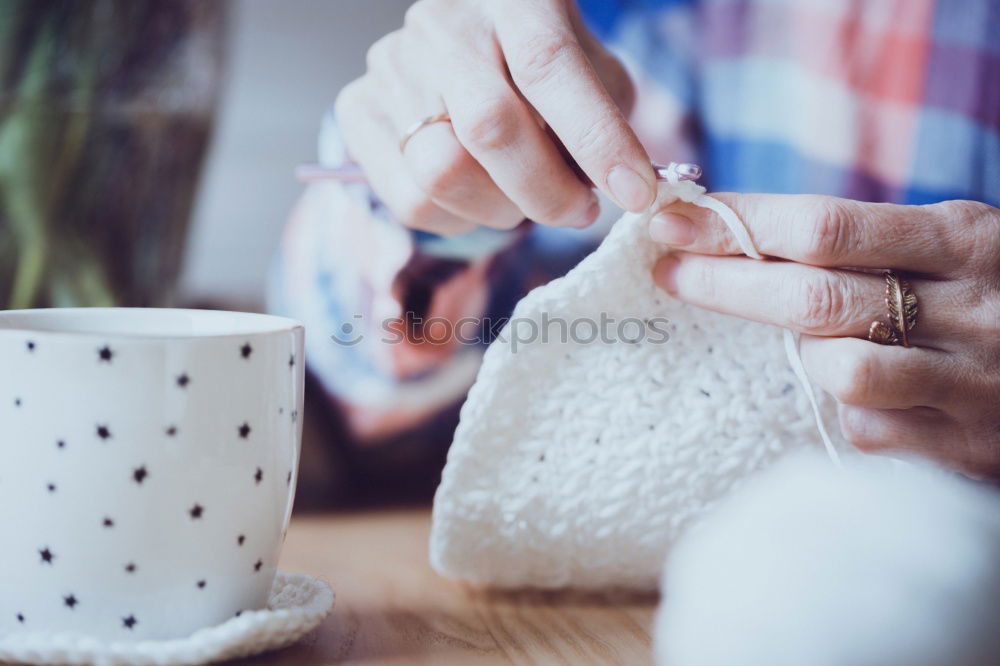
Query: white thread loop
<point x="742" y="236"/>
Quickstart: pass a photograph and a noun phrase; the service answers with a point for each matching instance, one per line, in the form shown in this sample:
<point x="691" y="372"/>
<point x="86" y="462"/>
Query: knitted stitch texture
<point x="579" y="464"/>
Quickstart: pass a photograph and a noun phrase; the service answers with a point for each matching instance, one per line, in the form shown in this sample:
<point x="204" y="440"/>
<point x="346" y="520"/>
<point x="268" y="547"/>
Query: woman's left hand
<point x="939" y="397"/>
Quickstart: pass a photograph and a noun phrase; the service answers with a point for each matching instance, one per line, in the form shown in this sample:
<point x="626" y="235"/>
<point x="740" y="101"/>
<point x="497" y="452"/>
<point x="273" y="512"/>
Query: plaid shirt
<point x="876" y="100"/>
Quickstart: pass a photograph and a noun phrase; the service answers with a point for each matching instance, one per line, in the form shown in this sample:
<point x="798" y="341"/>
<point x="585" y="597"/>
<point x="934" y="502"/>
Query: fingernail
<point x="629" y="189"/>
<point x="671" y="229"/>
<point x="664" y="273"/>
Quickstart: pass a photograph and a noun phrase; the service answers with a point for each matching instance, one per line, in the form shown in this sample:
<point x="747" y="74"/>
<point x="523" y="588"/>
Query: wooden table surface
<point x="393" y="609"/>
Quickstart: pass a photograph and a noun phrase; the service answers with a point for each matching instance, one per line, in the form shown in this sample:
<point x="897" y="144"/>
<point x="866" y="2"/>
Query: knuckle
<point x="818" y="303"/>
<point x="830" y="237"/>
<point x="968" y="232"/>
<point x="537" y="61"/>
<point x="984" y="223"/>
<point x="492" y="127"/>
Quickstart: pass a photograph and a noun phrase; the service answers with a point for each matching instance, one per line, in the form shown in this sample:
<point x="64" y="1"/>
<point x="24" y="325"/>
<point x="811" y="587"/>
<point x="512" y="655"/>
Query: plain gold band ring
<point x="419" y="125"/>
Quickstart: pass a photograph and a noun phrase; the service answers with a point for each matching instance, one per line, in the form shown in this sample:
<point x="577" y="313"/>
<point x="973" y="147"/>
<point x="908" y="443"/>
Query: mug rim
<point x="33" y="321"/>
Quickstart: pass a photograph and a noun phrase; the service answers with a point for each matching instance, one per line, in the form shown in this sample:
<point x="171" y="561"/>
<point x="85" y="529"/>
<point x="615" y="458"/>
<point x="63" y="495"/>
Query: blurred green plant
<point x="106" y="109"/>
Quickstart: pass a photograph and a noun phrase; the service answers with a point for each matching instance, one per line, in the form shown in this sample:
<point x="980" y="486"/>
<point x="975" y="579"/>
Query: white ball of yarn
<point x="809" y="564"/>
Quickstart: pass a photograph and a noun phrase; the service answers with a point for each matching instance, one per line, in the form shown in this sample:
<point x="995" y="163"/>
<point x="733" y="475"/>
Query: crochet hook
<point x="352" y="173"/>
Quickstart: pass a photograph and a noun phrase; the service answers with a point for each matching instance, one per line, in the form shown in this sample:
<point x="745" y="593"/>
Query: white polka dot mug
<point x="147" y="466"/>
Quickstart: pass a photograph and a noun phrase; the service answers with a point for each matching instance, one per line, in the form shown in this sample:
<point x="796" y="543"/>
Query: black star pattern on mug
<point x="244" y="430"/>
<point x="258" y="476"/>
<point x="61" y="444"/>
<point x="17" y="402"/>
<point x="171" y="431"/>
<point x="201" y="584"/>
<point x="129" y="622"/>
<point x="183" y="380"/>
<point x="295" y="415"/>
<point x="246" y="350"/>
<point x="196" y="512"/>
<point x="104" y="354"/>
<point x="139" y="474"/>
<point x="257" y="565"/>
<point x="104" y="432"/>
<point x="71" y="601"/>
<point x="47" y="555"/>
<point x="288" y="479"/>
<point x="240" y="540"/>
<point x="291" y="361"/>
<point x="130" y="567"/>
<point x="31" y="345"/>
<point x="51" y="487"/>
<point x="20" y="618"/>
<point x="108" y="522"/>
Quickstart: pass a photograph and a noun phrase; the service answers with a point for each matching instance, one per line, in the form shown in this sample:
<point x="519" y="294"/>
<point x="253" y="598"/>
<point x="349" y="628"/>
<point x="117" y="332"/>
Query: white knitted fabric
<point x="297" y="606"/>
<point x="580" y="464"/>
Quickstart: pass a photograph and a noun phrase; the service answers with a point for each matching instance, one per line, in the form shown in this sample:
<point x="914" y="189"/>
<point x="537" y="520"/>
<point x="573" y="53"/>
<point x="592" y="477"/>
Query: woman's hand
<point x="941" y="396"/>
<point x="518" y="78"/>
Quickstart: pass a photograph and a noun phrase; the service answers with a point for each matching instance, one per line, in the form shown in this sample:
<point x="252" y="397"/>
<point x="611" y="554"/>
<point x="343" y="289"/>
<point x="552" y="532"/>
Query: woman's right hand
<point x="517" y="78"/>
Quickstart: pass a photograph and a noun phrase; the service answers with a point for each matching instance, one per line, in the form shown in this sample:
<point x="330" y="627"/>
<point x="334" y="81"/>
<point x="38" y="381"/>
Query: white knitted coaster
<point x="579" y="464"/>
<point x="297" y="606"/>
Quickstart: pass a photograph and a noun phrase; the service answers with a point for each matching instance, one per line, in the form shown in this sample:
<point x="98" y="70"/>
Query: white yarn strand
<point x="742" y="236"/>
<point x="795" y="359"/>
<point x="736" y="226"/>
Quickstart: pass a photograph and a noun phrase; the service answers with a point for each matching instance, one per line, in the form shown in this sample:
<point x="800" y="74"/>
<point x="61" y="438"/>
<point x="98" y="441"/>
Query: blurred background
<point x="147" y="147"/>
<point x="147" y="150"/>
<point x="285" y="62"/>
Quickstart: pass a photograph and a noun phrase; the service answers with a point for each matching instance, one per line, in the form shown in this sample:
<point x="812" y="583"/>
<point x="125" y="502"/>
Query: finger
<point x="371" y="144"/>
<point x="861" y="374"/>
<point x="808" y="299"/>
<point x="498" y="129"/>
<point x="609" y="68"/>
<point x="455" y="181"/>
<point x="884" y="430"/>
<point x="824" y="231"/>
<point x="550" y="68"/>
<point x="923" y="431"/>
<point x="436" y="161"/>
